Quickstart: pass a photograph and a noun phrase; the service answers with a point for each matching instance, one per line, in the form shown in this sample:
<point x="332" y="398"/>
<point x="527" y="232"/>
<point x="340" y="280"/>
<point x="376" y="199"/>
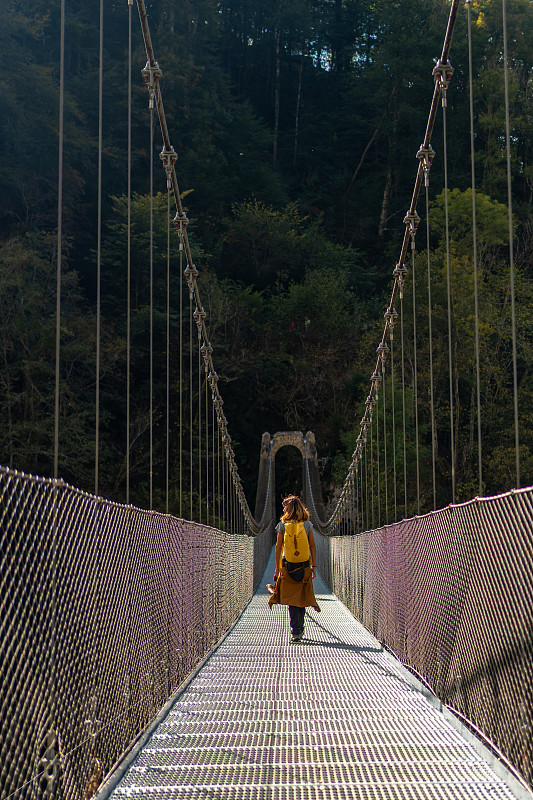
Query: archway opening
<point x="289" y="474"/>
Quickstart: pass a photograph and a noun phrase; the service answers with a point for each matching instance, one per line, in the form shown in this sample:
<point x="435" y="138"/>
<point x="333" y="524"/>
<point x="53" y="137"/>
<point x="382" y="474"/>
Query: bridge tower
<point x="312" y="489"/>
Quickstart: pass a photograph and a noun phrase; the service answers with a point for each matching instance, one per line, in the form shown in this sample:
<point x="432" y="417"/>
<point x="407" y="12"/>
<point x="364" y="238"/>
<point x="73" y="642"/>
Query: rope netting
<point x="450" y="595"/>
<point x="104" y="610"/>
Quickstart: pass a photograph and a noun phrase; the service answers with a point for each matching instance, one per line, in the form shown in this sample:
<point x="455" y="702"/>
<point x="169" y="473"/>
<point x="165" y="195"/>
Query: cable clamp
<point x="426" y="156"/>
<point x="400" y="274"/>
<point x="180" y="222"/>
<point x="191" y="275"/>
<point x="151" y="75"/>
<point x="199" y="316"/>
<point x="168" y="158"/>
<point x="442" y="74"/>
<point x="391" y="315"/>
<point x="370" y="404"/>
<point x="383" y="351"/>
<point x="413" y="220"/>
<point x="206" y="351"/>
<point x="376" y="381"/>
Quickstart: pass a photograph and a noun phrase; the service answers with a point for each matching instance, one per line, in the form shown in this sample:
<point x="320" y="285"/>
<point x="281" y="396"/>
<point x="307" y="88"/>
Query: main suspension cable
<point x="191" y="273"/>
<point x="425" y="156"/>
<point x="152" y="74"/>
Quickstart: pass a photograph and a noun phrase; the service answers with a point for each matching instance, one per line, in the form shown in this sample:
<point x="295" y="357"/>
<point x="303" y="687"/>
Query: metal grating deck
<point x="329" y="718"/>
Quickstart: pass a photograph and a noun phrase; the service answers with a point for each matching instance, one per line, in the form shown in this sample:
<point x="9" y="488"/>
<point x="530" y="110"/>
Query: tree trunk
<point x="361" y="160"/>
<point x="388" y="183"/>
<point x="386" y="200"/>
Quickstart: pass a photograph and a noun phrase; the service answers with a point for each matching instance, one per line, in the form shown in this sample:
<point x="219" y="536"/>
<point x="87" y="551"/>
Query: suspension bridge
<point x="139" y="656"/>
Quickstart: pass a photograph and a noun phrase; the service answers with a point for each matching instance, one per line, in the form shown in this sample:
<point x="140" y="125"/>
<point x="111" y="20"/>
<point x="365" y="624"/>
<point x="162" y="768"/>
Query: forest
<point x="296" y="124"/>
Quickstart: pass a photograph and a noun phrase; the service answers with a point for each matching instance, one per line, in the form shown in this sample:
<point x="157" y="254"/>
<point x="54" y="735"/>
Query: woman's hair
<point x="293" y="508"/>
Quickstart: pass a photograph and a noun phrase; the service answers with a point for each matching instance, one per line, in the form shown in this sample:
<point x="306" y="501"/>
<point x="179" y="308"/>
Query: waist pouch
<point x="296" y="571"/>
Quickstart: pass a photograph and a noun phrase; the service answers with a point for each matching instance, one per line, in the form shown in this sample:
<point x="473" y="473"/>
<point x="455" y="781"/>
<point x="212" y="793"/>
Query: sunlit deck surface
<point x="331" y="717"/>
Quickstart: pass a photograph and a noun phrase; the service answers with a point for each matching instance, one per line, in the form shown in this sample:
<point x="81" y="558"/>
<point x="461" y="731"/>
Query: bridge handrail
<point x="449" y="593"/>
<point x="105" y="609"/>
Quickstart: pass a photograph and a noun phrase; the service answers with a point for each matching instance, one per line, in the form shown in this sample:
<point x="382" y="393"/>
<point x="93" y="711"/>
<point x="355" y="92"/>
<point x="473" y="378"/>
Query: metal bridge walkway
<point x="331" y="717"/>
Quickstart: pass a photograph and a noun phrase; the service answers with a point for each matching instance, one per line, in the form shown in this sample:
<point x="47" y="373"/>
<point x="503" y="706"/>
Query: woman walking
<point x="295" y="564"/>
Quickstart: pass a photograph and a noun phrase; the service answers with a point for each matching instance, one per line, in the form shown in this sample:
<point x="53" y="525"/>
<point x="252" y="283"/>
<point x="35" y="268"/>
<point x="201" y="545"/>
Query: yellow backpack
<point x="295" y="543"/>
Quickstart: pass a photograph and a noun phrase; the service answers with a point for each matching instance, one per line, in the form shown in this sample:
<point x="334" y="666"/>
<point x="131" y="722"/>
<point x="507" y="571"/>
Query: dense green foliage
<point x="297" y="123"/>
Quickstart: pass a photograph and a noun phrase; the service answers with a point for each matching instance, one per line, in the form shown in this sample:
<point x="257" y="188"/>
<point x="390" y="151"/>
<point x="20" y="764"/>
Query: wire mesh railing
<point x="105" y="609"/>
<point x="450" y="594"/>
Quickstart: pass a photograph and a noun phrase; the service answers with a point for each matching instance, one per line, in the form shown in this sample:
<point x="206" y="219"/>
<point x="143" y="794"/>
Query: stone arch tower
<point x="270" y="445"/>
